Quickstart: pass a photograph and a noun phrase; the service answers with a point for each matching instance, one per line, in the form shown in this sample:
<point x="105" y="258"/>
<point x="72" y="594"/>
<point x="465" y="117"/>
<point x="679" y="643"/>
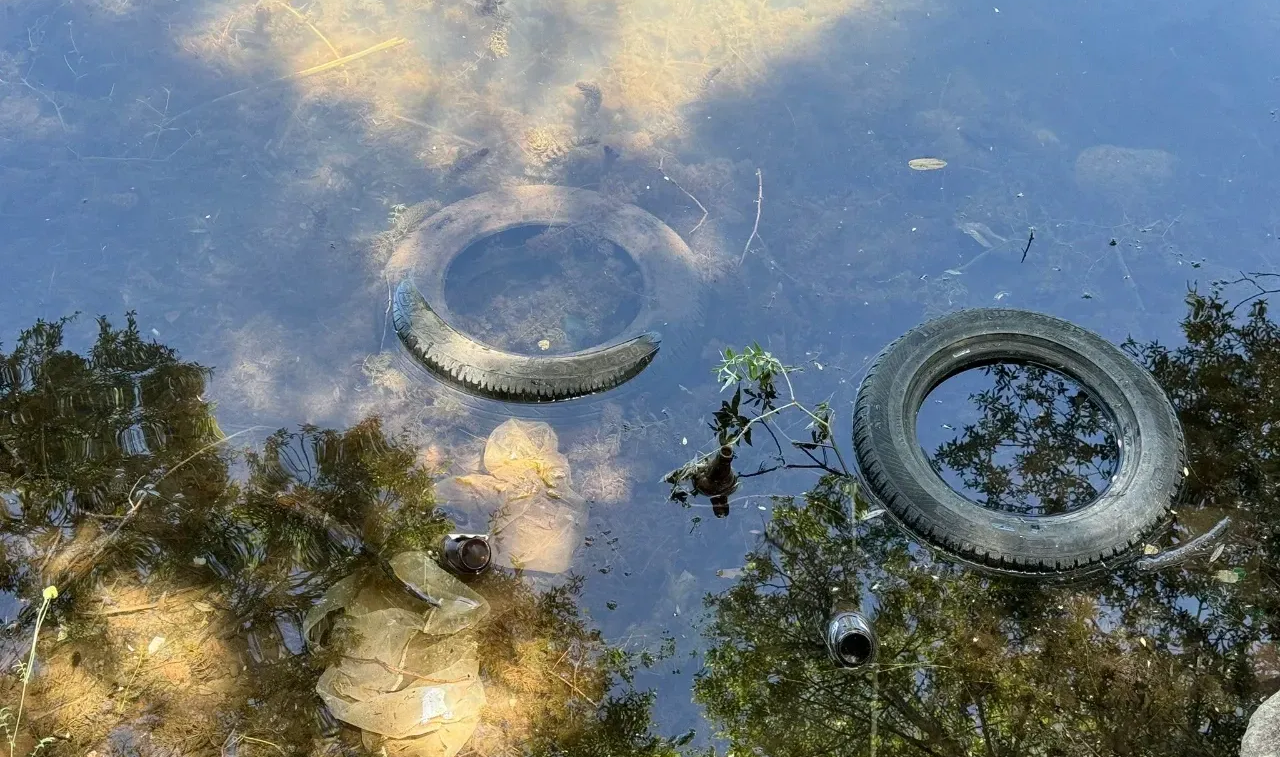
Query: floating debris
<point x="926" y="164"/>
<point x="980" y="233"/>
<point x="468" y="554"/>
<point x="537" y="516"/>
<point x="1229" y="576"/>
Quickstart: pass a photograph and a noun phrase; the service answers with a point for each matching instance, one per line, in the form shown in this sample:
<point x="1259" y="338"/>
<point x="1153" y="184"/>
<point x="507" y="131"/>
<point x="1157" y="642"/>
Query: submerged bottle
<point x="715" y="478"/>
<point x="850" y="639"/>
<point x="468" y="554"/>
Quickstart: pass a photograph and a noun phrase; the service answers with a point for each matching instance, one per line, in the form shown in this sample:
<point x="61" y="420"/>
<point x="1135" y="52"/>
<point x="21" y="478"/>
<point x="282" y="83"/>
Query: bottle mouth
<point x="468" y="553"/>
<point x="851" y="641"/>
<point x="854" y="649"/>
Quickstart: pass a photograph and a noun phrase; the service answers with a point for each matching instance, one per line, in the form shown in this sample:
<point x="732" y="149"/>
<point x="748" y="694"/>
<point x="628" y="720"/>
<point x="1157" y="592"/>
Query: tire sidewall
<point x="897" y="472"/>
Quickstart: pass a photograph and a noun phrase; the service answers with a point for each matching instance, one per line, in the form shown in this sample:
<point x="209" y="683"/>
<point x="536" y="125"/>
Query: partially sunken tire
<point x="1099" y="536"/>
<point x="421" y="317"/>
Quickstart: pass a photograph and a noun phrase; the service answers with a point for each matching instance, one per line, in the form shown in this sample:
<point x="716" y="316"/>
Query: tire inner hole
<point x="543" y="290"/>
<point x="1019" y="438"/>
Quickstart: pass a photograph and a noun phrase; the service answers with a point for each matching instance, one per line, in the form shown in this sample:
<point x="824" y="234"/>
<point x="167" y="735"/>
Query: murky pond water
<point x="544" y="289"/>
<point x="239" y="174"/>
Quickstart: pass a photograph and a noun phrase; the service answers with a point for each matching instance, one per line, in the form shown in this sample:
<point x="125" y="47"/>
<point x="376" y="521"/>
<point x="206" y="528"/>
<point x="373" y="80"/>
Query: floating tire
<point x="896" y="471"/>
<point x="421" y="316"/>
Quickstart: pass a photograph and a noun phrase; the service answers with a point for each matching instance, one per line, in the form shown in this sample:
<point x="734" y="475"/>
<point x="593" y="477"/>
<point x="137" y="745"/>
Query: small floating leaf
<point x="1217" y="553"/>
<point x="927" y="164"/>
<point x="1229" y="576"/>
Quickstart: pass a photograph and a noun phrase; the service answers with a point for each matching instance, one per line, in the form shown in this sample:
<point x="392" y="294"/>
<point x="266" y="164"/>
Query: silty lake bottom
<point x="237" y="176"/>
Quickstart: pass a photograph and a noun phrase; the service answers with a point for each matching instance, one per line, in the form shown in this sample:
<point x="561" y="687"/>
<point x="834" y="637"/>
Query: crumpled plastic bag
<point x="410" y="677"/>
<point x="537" y="518"/>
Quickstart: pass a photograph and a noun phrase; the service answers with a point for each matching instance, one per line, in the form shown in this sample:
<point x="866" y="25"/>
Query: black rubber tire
<point x="896" y="471"/>
<point x="421" y="316"/>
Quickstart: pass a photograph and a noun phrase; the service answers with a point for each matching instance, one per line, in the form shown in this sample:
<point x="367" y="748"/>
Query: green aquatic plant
<point x="49" y="594"/>
<point x="758" y="379"/>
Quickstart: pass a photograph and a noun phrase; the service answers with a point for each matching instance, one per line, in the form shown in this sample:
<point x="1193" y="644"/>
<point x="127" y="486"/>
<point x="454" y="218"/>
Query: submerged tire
<point x="1078" y="543"/>
<point x="421" y="317"/>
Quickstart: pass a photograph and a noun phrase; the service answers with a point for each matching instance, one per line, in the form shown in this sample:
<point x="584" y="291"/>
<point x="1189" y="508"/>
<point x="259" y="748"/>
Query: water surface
<point x="187" y="161"/>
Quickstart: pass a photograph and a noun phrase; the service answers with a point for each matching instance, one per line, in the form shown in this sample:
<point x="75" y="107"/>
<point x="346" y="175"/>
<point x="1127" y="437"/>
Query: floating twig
<point x="137" y="503"/>
<point x="1202" y="544"/>
<point x="436" y="129"/>
<point x="755" y="229"/>
<point x="1030" y="238"/>
<point x="57" y="109"/>
<point x="312" y="27"/>
<point x="686" y="194"/>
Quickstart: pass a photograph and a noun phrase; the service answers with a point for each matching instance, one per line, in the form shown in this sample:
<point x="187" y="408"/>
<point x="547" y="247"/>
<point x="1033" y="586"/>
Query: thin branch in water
<point x="690" y="196"/>
<point x="1250" y="278"/>
<point x="135" y="505"/>
<point x="386" y="318"/>
<point x="312" y="27"/>
<point x="436" y="129"/>
<point x="1030" y="238"/>
<point x="755" y="230"/>
<point x="387" y="45"/>
<point x="57" y="109"/>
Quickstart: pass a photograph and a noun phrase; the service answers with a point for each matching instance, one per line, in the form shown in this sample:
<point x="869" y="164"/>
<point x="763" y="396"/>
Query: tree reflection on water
<point x="185" y="566"/>
<point x="1165" y="664"/>
<point x="185" y="563"/>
